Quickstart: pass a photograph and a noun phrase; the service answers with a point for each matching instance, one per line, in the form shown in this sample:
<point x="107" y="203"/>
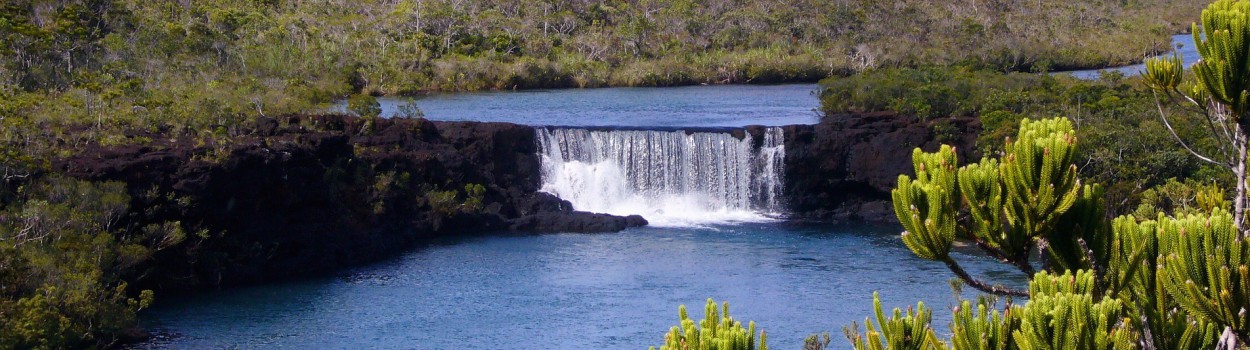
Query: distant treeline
<point x="409" y="46"/>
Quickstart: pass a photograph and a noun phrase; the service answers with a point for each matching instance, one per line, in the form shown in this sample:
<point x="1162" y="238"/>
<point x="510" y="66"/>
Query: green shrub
<point x="62" y="263"/>
<point x="717" y="331"/>
<point x="909" y="332"/>
<point x="364" y="105"/>
<point x="1169" y="283"/>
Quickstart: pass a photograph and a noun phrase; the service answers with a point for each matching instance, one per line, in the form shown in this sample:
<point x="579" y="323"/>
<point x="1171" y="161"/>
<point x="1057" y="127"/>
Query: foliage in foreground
<point x="1167" y="283"/>
<point x="896" y="331"/>
<point x="1061" y="314"/>
<point x="717" y="331"/>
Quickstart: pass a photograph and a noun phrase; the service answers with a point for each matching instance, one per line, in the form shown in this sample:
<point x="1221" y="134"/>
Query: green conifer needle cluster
<point x="1128" y="283"/>
<point x="717" y="331"/>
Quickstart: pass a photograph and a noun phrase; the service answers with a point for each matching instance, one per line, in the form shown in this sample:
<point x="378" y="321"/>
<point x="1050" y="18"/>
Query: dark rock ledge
<point x="844" y="168"/>
<point x="300" y="195"/>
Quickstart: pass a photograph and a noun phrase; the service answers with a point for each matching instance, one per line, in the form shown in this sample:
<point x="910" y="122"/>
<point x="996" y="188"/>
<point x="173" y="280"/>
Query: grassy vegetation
<point x="113" y="66"/>
<point x="196" y="64"/>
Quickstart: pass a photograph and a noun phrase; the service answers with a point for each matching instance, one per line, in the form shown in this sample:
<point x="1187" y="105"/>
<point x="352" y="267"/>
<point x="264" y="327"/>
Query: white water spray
<point x="672" y="178"/>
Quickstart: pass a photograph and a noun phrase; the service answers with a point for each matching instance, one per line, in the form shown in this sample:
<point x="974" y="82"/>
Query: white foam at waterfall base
<point x="602" y="188"/>
<point x="670" y="178"/>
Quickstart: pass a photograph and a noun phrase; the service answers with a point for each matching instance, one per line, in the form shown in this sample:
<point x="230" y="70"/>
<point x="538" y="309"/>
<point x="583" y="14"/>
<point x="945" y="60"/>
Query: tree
<point x="364" y="105"/>
<point x="1128" y="283"/>
<point x="1030" y="200"/>
<point x="1220" y="92"/>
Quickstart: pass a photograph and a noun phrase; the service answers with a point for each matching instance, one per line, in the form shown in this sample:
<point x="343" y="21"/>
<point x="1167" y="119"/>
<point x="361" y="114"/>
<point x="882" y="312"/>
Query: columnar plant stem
<point x="1239" y="202"/>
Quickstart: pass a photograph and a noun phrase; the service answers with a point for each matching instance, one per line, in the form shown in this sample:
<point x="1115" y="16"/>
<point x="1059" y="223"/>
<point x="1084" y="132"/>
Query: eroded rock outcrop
<point x="844" y="167"/>
<point x="299" y="195"/>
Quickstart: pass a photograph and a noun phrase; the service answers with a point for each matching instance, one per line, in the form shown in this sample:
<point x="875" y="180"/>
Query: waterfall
<point x="672" y="178"/>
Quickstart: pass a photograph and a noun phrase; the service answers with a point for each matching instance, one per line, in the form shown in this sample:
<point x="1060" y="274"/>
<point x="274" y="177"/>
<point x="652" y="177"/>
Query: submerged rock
<point x="576" y="222"/>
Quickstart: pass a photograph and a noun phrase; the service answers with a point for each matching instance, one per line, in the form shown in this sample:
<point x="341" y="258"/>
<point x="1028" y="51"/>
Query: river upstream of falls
<point x="712" y="197"/>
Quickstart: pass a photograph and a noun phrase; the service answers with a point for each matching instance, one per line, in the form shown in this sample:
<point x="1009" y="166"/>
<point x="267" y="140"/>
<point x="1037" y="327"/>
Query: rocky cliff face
<point x="299" y="195"/>
<point x="844" y="167"/>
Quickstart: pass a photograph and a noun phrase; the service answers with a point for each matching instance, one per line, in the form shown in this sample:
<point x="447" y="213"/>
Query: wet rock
<point x="578" y="221"/>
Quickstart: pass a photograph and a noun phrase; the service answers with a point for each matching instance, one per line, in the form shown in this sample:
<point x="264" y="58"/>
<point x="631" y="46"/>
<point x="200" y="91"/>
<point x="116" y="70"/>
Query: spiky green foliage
<point x="1205" y="266"/>
<point x="1082" y="237"/>
<point x="717" y="331"/>
<point x="1135" y="261"/>
<point x="982" y="328"/>
<point x="1074" y="321"/>
<point x="1046" y="283"/>
<point x="897" y="332"/>
<point x="1062" y="314"/>
<point x="926" y="206"/>
<point x="1014" y="205"/>
<point x="980" y="186"/>
<point x="1164" y="73"/>
<point x="1221" y="91"/>
<point x="1039" y="177"/>
<point x="1105" y="284"/>
<point x="1010" y="203"/>
<point x="1225" y="67"/>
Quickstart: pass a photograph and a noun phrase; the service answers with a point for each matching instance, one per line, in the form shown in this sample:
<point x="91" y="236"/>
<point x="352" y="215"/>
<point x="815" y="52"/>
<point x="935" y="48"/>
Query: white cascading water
<point x="671" y="178"/>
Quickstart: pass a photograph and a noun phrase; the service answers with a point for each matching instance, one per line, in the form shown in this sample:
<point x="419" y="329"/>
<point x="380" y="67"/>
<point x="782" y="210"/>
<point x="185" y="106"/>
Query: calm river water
<point x="693" y="106"/>
<point x="577" y="291"/>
